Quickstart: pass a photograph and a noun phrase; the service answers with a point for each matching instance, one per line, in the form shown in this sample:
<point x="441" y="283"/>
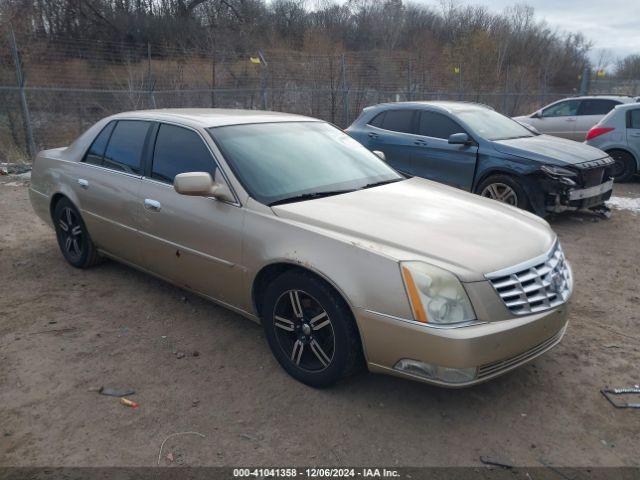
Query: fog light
<point x="436" y="372"/>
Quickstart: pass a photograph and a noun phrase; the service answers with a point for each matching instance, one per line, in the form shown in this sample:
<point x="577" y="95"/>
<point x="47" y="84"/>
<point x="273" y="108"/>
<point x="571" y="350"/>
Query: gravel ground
<point x="66" y="332"/>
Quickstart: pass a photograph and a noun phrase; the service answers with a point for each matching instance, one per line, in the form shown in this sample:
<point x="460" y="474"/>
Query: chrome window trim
<point x="106" y="169"/>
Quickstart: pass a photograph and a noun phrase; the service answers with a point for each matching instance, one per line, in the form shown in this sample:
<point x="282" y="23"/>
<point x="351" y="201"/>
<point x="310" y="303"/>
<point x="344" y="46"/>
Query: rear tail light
<point x="597" y="131"/>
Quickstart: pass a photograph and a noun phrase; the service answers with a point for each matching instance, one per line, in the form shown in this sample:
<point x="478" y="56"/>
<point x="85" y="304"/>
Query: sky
<point x="612" y="25"/>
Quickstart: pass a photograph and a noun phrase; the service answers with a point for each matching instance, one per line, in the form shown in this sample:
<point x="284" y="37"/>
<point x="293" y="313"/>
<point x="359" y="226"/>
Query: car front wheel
<point x="505" y="189"/>
<point x="310" y="329"/>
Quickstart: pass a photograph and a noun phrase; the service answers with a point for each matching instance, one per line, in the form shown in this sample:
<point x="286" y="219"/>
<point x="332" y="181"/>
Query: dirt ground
<point x="118" y="327"/>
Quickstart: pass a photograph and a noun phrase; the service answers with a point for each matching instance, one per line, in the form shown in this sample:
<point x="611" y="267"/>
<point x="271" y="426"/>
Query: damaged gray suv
<point x="473" y="147"/>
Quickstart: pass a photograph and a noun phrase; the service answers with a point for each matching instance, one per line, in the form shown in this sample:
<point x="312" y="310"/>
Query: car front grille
<point x="592" y="177"/>
<point x="495" y="368"/>
<point x="594" y="172"/>
<point x="535" y="286"/>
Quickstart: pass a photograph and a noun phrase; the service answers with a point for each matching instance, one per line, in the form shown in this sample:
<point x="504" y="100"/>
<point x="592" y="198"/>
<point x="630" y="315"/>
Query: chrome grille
<point x="536" y="286"/>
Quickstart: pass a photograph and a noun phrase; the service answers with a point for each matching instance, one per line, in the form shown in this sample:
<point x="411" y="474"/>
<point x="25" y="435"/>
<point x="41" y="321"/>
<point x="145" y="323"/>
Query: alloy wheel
<point x="619" y="168"/>
<point x="304" y="330"/>
<point x="500" y="192"/>
<point x="72" y="236"/>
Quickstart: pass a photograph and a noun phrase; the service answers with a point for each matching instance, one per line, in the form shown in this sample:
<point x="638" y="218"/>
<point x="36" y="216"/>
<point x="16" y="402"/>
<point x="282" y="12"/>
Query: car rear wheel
<point x="72" y="235"/>
<point x="624" y="166"/>
<point x="310" y="329"/>
<point x="505" y="189"/>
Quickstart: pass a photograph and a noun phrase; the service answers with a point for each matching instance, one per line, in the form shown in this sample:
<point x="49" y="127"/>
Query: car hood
<point x="548" y="149"/>
<point x="418" y="219"/>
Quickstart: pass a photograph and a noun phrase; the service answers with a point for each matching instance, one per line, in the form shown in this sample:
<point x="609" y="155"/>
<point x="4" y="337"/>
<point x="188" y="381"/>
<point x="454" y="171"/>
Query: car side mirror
<point x="536" y="115"/>
<point x="200" y="184"/>
<point x="380" y="154"/>
<point x="460" y="139"/>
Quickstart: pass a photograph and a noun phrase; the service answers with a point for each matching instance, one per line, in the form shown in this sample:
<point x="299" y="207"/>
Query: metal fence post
<point x="213" y="79"/>
<point x="409" y="81"/>
<point x="506" y="91"/>
<point x="264" y="72"/>
<point x="151" y="83"/>
<point x="26" y="118"/>
<point x="345" y="92"/>
<point x="585" y="81"/>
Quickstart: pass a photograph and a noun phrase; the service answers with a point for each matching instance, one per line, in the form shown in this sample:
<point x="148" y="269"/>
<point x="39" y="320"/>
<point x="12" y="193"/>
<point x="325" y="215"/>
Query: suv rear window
<point x="124" y="152"/>
<point x="596" y="106"/>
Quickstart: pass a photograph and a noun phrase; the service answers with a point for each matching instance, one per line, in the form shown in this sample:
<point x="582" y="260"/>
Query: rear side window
<point x="436" y="125"/>
<point x="377" y="120"/>
<point x="398" y="121"/>
<point x="179" y="150"/>
<point x="124" y="152"/>
<point x="97" y="148"/>
<point x="596" y="107"/>
<point x="567" y="108"/>
<point x="633" y="119"/>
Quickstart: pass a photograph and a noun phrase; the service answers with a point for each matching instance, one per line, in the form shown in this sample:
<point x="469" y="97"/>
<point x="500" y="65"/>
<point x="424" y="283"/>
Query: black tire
<point x="73" y="238"/>
<point x="512" y="191"/>
<point x="325" y="351"/>
<point x="625" y="166"/>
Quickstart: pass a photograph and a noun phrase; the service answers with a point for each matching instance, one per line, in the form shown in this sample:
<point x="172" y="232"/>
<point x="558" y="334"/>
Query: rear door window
<point x="436" y="125"/>
<point x="124" y="151"/>
<point x="596" y="106"/>
<point x="377" y="120"/>
<point x="568" y="108"/>
<point x="179" y="150"/>
<point x="398" y="121"/>
<point x="633" y="119"/>
<point x="96" y="151"/>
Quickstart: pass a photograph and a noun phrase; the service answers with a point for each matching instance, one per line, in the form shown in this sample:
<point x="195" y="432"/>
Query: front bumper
<point x="493" y="348"/>
<point x="561" y="197"/>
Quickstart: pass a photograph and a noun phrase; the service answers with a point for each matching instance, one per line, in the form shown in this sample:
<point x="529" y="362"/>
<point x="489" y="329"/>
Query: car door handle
<point x="635" y="134"/>
<point x="373" y="135"/>
<point x="83" y="183"/>
<point x="570" y="120"/>
<point x="152" y="205"/>
<point x="420" y="143"/>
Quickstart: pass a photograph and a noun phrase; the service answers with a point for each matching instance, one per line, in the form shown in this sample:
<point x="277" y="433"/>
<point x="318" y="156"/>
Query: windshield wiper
<point x="383" y="182"/>
<point x="309" y="196"/>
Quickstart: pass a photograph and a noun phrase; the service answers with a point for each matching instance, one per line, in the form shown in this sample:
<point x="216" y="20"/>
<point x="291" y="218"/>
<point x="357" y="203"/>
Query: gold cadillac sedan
<point x="288" y="221"/>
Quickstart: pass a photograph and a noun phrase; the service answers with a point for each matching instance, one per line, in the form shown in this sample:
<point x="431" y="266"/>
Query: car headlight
<point x="555" y="171"/>
<point x="436" y="296"/>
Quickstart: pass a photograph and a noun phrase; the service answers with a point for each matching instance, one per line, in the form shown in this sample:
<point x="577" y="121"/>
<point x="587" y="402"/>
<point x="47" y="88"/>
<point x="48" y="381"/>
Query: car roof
<point x="445" y="105"/>
<point x="620" y="98"/>
<point x="627" y="106"/>
<point x="212" y="117"/>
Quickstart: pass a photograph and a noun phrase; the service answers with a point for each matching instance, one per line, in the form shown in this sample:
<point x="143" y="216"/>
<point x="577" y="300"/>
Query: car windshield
<point x="292" y="161"/>
<point x="491" y="125"/>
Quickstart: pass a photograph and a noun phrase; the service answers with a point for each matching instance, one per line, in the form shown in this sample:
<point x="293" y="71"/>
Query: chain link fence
<point x="50" y="91"/>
